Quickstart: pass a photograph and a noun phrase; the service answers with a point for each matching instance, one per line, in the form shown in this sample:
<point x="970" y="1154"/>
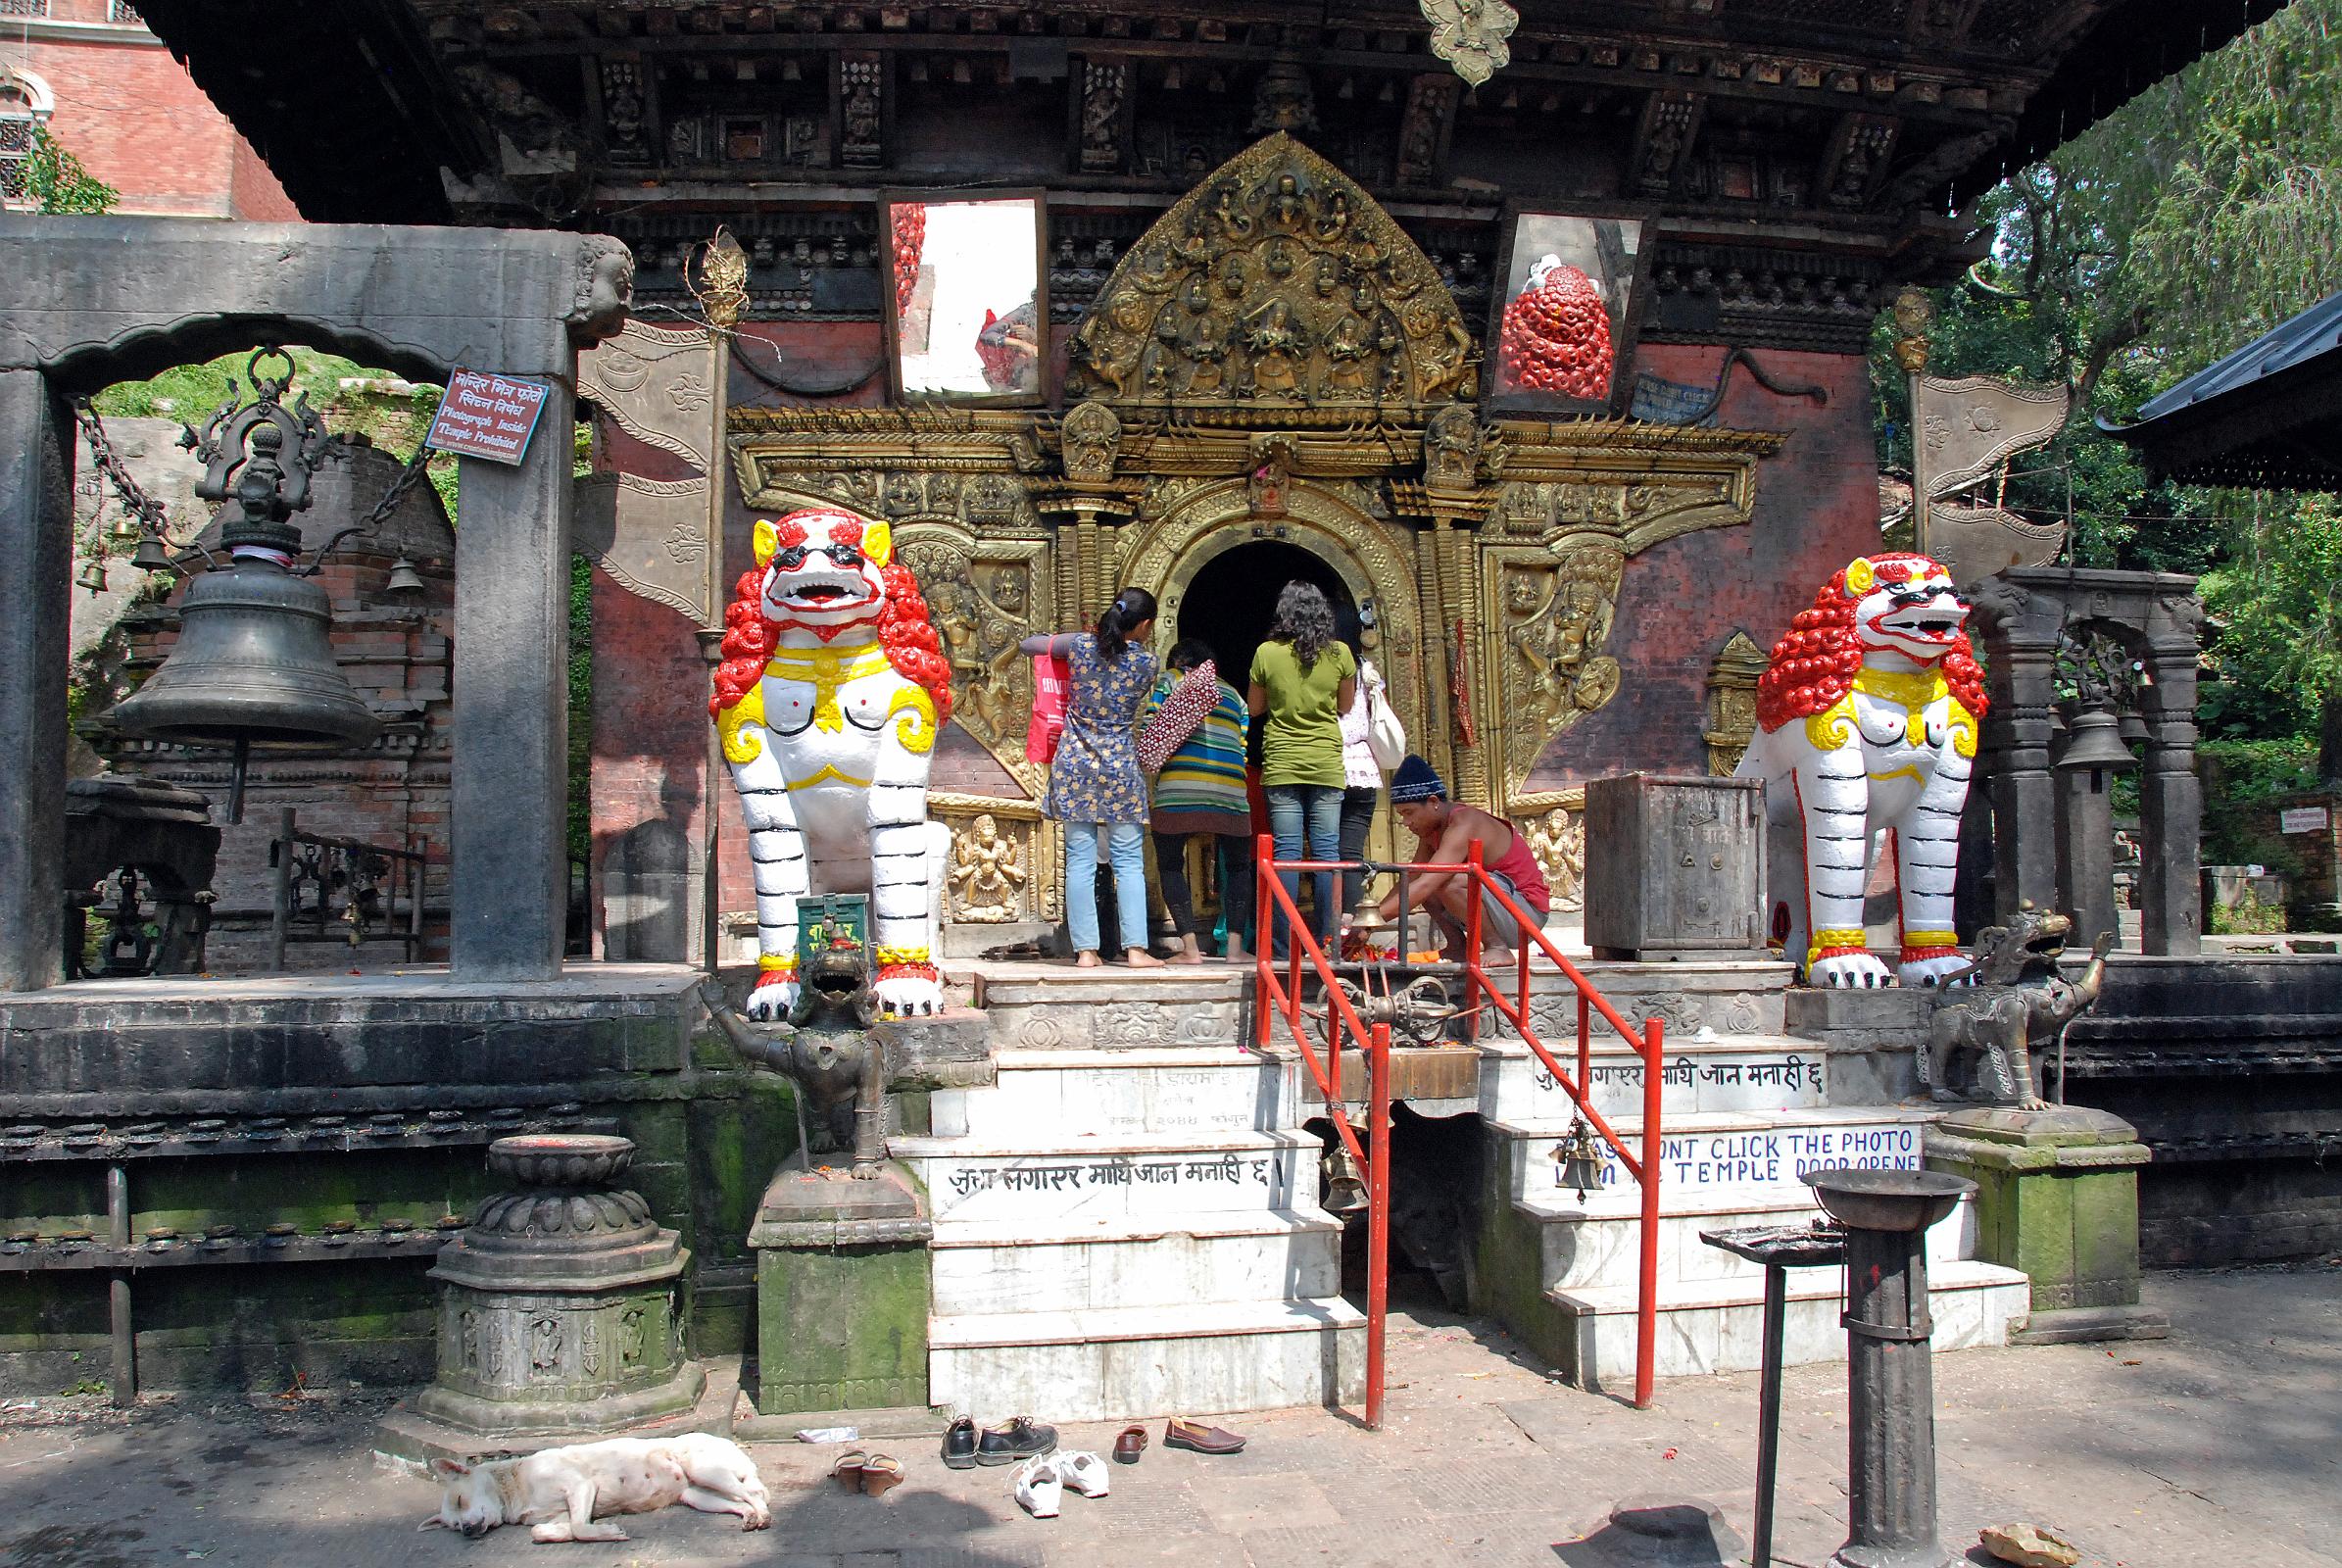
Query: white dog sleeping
<point x="561" y="1491"/>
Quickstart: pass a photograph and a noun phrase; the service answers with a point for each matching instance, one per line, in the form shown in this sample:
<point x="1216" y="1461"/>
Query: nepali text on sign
<point x="2302" y="819"/>
<point x="484" y="415"/>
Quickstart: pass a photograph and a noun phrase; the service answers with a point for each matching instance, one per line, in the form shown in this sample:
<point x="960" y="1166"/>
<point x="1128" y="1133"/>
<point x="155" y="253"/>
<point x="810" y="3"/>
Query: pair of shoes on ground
<point x="1021" y="1439"/>
<point x="871" y="1474"/>
<point x="1042" y="1481"/>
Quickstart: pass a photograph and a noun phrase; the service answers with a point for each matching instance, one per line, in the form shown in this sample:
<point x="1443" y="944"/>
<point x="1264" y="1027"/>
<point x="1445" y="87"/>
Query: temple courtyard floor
<point x="2219" y="1445"/>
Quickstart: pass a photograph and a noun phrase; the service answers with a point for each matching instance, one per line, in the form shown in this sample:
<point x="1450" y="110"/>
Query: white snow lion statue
<point x="1867" y="724"/>
<point x="830" y="697"/>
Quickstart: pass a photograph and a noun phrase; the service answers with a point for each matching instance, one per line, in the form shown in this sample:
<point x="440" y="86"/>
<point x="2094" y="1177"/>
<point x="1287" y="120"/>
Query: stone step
<point x="1583" y="1247"/>
<point x="1048" y="1178"/>
<point x="1133" y="1363"/>
<point x="1722" y="1073"/>
<point x="1735" y="1153"/>
<point x="1730" y="996"/>
<point x="1709" y="1326"/>
<point x="1186" y="1089"/>
<point x="1044" y="1006"/>
<point x="1161" y="1261"/>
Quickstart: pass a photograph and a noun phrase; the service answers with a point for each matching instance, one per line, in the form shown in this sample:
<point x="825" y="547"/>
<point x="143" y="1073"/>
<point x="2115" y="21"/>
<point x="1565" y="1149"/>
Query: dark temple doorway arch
<point x="1233" y="598"/>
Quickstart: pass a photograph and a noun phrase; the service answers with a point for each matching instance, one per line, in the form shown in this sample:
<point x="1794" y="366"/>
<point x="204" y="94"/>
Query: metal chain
<point x="153" y="520"/>
<point x="409" y="477"/>
<point x="134" y="498"/>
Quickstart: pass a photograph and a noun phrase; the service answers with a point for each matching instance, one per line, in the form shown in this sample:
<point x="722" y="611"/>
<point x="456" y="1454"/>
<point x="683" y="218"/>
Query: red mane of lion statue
<point x="1815" y="665"/>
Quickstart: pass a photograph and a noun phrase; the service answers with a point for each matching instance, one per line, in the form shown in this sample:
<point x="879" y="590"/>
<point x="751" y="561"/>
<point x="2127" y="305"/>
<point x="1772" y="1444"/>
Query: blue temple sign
<point x="485" y="415"/>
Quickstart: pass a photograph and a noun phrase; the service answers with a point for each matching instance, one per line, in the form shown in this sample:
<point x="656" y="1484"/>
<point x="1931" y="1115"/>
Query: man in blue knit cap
<point x="1445" y="834"/>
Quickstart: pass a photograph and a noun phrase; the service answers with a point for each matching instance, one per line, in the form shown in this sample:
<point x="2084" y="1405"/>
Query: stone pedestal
<point x="842" y="1292"/>
<point x="557" y="1307"/>
<point x="2056" y="1197"/>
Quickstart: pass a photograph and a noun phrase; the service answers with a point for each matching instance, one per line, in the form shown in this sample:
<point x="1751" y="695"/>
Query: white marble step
<point x="1161" y="1261"/>
<point x="1051" y="1178"/>
<point x="1746" y="1073"/>
<point x="1709" y="1326"/>
<point x="1188" y="1089"/>
<point x="1727" y="1151"/>
<point x="1040" y="1006"/>
<point x="1131" y="1363"/>
<point x="1586" y="1247"/>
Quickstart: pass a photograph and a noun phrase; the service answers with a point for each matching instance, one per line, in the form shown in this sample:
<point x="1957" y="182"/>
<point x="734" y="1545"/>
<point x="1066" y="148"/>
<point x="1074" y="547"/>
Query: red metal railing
<point x="1342" y="1021"/>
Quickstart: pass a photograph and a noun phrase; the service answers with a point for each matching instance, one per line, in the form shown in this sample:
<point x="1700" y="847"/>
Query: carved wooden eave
<point x="1634" y="483"/>
<point x="775" y="452"/>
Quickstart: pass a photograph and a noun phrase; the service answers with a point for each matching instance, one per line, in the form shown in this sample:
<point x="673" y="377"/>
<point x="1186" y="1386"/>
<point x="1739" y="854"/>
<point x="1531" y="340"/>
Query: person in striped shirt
<point x="1201" y="790"/>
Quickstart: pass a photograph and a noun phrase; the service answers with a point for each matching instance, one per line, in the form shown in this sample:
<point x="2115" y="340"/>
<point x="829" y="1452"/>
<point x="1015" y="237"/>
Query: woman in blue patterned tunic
<point x="1095" y="783"/>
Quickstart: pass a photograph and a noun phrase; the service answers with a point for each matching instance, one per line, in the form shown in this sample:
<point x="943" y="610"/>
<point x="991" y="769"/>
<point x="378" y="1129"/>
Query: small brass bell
<point x="403" y="579"/>
<point x="1345" y="1184"/>
<point x="91" y="576"/>
<point x="1580" y="1160"/>
<point x="150" y="556"/>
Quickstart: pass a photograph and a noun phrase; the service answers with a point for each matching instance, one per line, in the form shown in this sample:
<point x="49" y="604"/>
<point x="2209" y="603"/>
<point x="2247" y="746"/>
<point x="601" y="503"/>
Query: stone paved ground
<point x="2223" y="1443"/>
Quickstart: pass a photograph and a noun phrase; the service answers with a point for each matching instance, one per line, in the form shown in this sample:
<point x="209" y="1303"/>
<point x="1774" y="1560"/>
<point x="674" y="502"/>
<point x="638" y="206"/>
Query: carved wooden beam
<point x="1663" y="140"/>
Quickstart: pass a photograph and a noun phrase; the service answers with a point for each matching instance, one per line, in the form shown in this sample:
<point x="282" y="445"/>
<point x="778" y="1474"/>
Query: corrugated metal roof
<point x="2317" y="330"/>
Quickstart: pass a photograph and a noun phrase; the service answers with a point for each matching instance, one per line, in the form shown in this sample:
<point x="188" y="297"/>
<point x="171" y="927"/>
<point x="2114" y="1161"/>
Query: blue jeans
<point x="1305" y="821"/>
<point x="1126" y="847"/>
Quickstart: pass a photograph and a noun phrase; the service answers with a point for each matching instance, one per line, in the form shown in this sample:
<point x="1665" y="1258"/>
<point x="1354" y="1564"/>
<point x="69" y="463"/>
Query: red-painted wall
<point x="1679" y="602"/>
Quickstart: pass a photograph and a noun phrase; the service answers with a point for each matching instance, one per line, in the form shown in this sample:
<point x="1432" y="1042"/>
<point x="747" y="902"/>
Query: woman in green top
<point x="1303" y="679"/>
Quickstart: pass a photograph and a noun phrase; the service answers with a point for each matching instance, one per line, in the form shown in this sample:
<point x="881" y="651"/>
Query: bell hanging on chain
<point x="91" y="576"/>
<point x="1580" y="1160"/>
<point x="254" y="665"/>
<point x="1344" y="1186"/>
<point x="403" y="579"/>
<point x="150" y="556"/>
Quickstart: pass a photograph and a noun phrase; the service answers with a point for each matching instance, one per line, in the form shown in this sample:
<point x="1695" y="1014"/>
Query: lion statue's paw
<point x="1949" y="969"/>
<point x="771" y="1004"/>
<point x="1850" y="972"/>
<point x="909" y="996"/>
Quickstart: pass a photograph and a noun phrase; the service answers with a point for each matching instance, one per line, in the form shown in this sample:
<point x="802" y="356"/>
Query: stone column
<point x="510" y="771"/>
<point x="2021" y="635"/>
<point x="2171" y="798"/>
<point x="36" y="458"/>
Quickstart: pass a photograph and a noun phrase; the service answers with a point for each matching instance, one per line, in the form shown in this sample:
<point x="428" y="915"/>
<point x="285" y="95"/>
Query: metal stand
<point x="1890" y="1370"/>
<point x="1779" y="1248"/>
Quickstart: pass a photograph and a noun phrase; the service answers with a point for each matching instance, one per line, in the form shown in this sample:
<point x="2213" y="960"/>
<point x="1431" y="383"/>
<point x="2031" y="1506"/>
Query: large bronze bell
<point x="254" y="665"/>
<point x="2094" y="740"/>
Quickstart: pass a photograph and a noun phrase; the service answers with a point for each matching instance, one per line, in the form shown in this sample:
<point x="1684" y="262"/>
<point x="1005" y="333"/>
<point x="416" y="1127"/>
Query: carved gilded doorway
<point x="1191" y="553"/>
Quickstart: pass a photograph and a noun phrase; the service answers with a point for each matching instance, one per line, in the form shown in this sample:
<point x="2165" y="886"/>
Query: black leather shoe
<point x="959" y="1445"/>
<point x="1020" y="1439"/>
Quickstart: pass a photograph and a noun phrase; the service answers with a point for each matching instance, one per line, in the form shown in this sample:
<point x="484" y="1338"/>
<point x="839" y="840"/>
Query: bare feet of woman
<point x="1086" y="960"/>
<point x="1236" y="953"/>
<point x="1189" y="951"/>
<point x="1140" y="959"/>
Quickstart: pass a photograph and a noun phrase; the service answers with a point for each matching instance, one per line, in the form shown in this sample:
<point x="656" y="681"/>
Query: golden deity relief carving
<point x="1276" y="281"/>
<point x="988" y="873"/>
<point x="1557" y="840"/>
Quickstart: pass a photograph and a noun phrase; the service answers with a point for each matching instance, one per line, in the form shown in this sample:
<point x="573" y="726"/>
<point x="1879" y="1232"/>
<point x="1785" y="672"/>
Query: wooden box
<point x="1675" y="867"/>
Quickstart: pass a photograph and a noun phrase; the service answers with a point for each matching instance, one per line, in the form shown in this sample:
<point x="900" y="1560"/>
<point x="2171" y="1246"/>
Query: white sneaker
<point x="1086" y="1473"/>
<point x="1040" y="1488"/>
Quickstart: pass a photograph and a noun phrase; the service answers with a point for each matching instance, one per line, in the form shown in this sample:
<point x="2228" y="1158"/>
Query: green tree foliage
<point x="2193" y="220"/>
<point x="56" y="183"/>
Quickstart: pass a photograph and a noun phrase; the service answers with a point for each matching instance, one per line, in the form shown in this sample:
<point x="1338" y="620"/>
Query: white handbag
<point x="1386" y="736"/>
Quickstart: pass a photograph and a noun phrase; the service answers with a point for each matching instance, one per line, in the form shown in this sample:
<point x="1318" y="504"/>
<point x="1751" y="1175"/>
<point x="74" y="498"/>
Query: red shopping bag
<point x="1052" y="689"/>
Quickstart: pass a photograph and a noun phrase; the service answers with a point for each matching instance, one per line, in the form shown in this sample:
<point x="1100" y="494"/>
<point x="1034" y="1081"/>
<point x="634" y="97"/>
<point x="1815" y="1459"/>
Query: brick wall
<point x="1679" y="602"/>
<point x="138" y="121"/>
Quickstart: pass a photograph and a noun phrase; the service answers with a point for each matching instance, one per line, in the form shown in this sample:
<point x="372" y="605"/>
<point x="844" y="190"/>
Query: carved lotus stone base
<point x="557" y="1307"/>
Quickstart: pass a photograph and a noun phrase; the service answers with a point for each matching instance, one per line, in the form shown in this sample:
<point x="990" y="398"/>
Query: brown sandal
<point x="1130" y="1444"/>
<point x="881" y="1474"/>
<point x="847" y="1471"/>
